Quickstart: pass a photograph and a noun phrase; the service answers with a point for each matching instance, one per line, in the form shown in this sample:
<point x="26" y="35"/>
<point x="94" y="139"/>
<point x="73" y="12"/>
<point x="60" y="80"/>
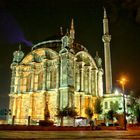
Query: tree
<point x="138" y="113"/>
<point x="132" y="105"/>
<point x="72" y="113"/>
<point x="113" y="111"/>
<point x="61" y="113"/>
<point x="134" y="108"/>
<point x="89" y="113"/>
<point x="98" y="106"/>
<point x="115" y="106"/>
<point x="110" y="115"/>
<point x="67" y="111"/>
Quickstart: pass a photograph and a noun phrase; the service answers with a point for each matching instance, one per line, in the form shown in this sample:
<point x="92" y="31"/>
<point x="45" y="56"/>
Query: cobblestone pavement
<point x="70" y="135"/>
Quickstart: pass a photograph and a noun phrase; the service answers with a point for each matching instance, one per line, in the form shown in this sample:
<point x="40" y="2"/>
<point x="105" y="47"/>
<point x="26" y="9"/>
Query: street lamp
<point x="123" y="82"/>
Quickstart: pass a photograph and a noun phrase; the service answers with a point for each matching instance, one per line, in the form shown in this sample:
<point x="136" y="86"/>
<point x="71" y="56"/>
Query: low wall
<point x="55" y="128"/>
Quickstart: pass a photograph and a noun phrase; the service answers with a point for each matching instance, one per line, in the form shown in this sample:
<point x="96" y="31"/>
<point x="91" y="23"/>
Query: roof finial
<point x="61" y="31"/>
<point x="98" y="60"/>
<point x="105" y="15"/>
<point x="72" y="24"/>
<point x="97" y="54"/>
<point x="19" y="47"/>
<point x="67" y="32"/>
<point x="72" y="31"/>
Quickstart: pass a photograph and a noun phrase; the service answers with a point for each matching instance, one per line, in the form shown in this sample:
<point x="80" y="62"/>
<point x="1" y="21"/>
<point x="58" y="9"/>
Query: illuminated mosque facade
<point x="57" y="73"/>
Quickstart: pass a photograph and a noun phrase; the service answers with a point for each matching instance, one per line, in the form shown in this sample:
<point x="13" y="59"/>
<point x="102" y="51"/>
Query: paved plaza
<point x="70" y="135"/>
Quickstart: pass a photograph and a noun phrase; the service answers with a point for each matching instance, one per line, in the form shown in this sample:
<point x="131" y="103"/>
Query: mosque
<point x="59" y="73"/>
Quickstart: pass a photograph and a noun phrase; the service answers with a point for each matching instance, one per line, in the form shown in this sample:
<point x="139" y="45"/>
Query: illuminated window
<point x="28" y="84"/>
<point x="77" y="81"/>
<point x="53" y="78"/>
<point x="40" y="80"/>
<point x="21" y="84"/>
<point x="36" y="81"/>
<point x="111" y="104"/>
<point x="46" y="81"/>
<point x="106" y="105"/>
<point x="86" y="81"/>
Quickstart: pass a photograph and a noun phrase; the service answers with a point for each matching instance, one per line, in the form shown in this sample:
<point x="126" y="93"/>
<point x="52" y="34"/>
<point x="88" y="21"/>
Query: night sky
<point x="26" y="21"/>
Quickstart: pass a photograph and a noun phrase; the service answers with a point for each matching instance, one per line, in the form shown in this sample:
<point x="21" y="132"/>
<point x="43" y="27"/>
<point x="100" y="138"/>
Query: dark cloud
<point x="10" y="30"/>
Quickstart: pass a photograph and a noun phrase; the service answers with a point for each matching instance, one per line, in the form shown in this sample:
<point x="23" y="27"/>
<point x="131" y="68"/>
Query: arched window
<point x="86" y="81"/>
<point x="53" y="78"/>
<point x="35" y="81"/>
<point x="40" y="80"/>
<point x="28" y="84"/>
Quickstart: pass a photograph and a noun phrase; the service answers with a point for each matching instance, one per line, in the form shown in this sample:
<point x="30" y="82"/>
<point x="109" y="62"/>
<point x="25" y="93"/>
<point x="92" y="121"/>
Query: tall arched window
<point x="53" y="78"/>
<point x="36" y="81"/>
<point x="86" y="76"/>
<point x="40" y="80"/>
<point x="28" y="84"/>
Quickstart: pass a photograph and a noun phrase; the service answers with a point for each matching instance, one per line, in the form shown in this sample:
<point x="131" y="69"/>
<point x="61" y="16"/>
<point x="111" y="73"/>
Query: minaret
<point x="106" y="39"/>
<point x="72" y="31"/>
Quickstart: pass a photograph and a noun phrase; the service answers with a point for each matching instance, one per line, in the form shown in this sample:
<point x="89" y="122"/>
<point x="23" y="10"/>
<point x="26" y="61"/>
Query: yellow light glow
<point x="123" y="81"/>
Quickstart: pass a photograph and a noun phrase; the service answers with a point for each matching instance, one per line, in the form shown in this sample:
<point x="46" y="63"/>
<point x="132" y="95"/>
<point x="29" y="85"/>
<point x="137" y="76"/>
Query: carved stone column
<point x="18" y="79"/>
<point x="77" y="79"/>
<point x="32" y="71"/>
<point x="24" y="78"/>
<point x="13" y="89"/>
<point x="82" y="76"/>
<point x="30" y="105"/>
<point x="17" y="107"/>
<point x="33" y="105"/>
<point x="74" y="73"/>
<point x="81" y="103"/>
<point x="44" y="75"/>
<point x="100" y="82"/>
<point x="86" y="80"/>
<point x="95" y="83"/>
<point x="57" y="76"/>
<point x="58" y="84"/>
<point x="14" y="105"/>
<point x="20" y="108"/>
<point x="48" y="76"/>
<point x="90" y="81"/>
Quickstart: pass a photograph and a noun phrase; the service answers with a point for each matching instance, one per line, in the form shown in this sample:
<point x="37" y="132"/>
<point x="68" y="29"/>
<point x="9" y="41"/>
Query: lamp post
<point x="123" y="82"/>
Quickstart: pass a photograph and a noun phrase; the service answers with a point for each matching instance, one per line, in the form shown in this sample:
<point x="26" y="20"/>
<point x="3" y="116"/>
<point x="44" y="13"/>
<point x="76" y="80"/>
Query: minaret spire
<point x="105" y="15"/>
<point x="105" y="23"/>
<point x="72" y="30"/>
<point x="106" y="39"/>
